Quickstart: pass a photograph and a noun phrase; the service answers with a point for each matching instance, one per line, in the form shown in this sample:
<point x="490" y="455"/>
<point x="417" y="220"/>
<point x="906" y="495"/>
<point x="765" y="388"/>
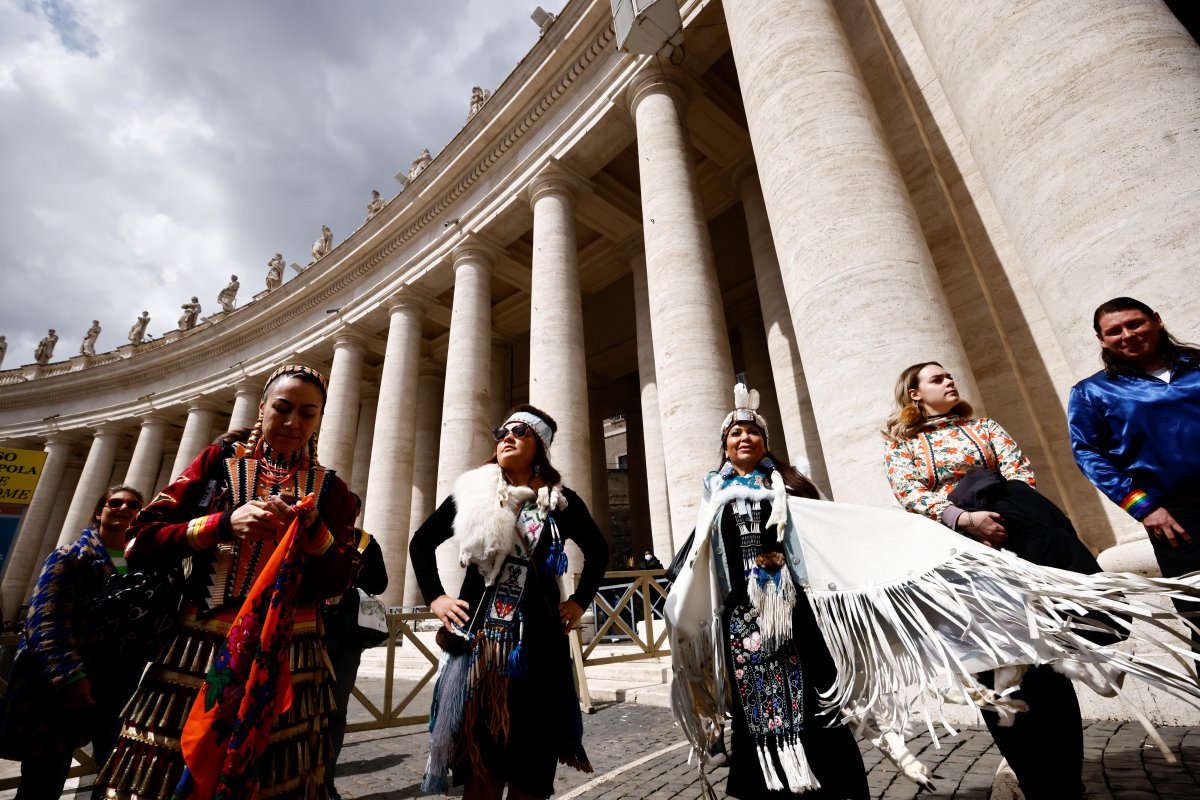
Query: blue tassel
<point x="517" y="668"/>
<point x="556" y="560"/>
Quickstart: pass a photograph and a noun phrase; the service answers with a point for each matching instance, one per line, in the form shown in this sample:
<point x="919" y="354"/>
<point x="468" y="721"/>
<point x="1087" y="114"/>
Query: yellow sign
<point x="19" y="473"/>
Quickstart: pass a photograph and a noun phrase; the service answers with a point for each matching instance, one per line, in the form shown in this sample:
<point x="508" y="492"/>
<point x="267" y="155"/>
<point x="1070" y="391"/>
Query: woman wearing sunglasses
<point x="61" y="695"/>
<point x="505" y="709"/>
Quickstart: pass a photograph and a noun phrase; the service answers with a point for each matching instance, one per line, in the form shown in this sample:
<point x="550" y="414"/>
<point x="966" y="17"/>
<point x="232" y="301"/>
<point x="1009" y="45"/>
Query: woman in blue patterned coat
<point x="61" y="695"/>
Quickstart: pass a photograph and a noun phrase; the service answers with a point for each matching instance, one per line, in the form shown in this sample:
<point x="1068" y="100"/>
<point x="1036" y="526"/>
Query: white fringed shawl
<point x="902" y="601"/>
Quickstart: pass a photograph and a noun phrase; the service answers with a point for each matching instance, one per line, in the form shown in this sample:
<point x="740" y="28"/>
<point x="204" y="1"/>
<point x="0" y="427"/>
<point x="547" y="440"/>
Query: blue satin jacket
<point x="1137" y="438"/>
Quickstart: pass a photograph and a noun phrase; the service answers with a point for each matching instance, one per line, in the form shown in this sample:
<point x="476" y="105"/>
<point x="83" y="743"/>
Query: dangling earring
<point x="537" y="469"/>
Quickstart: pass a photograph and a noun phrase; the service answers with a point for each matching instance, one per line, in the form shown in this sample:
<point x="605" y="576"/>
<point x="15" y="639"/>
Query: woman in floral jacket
<point x="935" y="450"/>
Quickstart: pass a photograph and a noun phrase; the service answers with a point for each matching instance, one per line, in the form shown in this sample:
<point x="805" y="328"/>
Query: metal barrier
<point x="641" y="595"/>
<point x="400" y="626"/>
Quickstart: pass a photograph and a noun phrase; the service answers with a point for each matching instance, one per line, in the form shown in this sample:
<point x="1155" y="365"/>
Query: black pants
<point x="345" y="658"/>
<point x="1174" y="562"/>
<point x="1044" y="745"/>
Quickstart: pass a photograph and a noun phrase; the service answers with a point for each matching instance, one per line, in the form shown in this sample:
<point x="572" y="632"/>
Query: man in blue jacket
<point x="1135" y="431"/>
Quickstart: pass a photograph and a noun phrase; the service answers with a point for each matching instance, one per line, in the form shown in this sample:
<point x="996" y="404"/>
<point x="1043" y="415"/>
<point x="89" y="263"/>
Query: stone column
<point x="652" y="440"/>
<point x="54" y="525"/>
<point x="791" y="388"/>
<point x="25" y="550"/>
<point x="840" y="213"/>
<point x="557" y="365"/>
<point x="693" y="366"/>
<point x="1084" y="121"/>
<point x="598" y="474"/>
<point x="340" y="423"/>
<point x="92" y="482"/>
<point x="641" y="531"/>
<point x="165" y="475"/>
<point x="147" y="455"/>
<point x="392" y="450"/>
<point x="756" y="364"/>
<point x="245" y="405"/>
<point x="197" y="434"/>
<point x="364" y="445"/>
<point x="465" y="441"/>
<point x="424" y="480"/>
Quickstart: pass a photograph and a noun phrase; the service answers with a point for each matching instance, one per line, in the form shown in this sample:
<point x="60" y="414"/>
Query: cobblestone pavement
<point x="637" y="753"/>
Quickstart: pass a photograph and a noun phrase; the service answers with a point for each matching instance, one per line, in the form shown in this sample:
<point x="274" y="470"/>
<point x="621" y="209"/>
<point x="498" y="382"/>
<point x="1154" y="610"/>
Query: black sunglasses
<point x="520" y="430"/>
<point x="116" y="502"/>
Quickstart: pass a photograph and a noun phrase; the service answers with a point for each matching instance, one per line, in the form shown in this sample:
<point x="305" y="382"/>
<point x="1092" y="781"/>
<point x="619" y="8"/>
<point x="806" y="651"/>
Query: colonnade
<point x="847" y="290"/>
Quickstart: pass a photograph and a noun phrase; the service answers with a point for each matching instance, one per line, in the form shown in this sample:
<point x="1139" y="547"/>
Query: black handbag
<point x="135" y="612"/>
<point x="676" y="565"/>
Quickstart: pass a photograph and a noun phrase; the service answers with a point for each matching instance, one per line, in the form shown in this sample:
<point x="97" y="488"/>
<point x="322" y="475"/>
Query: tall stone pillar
<point x="657" y="498"/>
<point x="424" y="481"/>
<point x="756" y="364"/>
<point x="791" y="388"/>
<point x="1084" y="121"/>
<point x="147" y="455"/>
<point x="840" y="213"/>
<point x="25" y="550"/>
<point x="465" y="441"/>
<point x="165" y="475"/>
<point x="197" y="434"/>
<point x="364" y="445"/>
<point x="692" y="363"/>
<point x="598" y="474"/>
<point x="557" y="366"/>
<point x="92" y="482"/>
<point x="58" y="514"/>
<point x="340" y="422"/>
<point x="245" y="405"/>
<point x="392" y="450"/>
<point x="641" y="532"/>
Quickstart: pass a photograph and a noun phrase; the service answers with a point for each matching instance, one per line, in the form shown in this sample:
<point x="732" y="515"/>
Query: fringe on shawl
<point x="980" y="610"/>
<point x="696" y="699"/>
<point x="445" y="720"/>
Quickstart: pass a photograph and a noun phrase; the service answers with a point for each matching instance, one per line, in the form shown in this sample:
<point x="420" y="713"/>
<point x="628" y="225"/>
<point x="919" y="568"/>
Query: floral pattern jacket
<point x="924" y="470"/>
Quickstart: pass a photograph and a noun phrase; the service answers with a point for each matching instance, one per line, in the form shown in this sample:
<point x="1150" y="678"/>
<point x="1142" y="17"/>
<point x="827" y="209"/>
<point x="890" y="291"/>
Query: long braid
<point x="312" y="450"/>
<point x="255" y="435"/>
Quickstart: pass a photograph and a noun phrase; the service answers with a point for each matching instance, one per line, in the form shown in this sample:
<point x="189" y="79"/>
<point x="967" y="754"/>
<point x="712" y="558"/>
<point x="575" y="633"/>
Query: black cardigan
<point x="574" y="523"/>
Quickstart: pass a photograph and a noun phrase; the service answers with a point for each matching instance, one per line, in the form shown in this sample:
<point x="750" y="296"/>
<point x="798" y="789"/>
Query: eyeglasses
<point x="116" y="502"/>
<point x="520" y="430"/>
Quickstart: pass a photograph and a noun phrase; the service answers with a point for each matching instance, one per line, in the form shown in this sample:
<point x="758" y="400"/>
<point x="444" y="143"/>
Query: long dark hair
<point x="796" y="482"/>
<point x="1169" y="348"/>
<point x="541" y="460"/>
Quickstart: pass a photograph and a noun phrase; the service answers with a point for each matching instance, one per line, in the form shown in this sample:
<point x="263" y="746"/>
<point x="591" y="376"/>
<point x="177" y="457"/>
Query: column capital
<point x="113" y="428"/>
<point x="742" y="167"/>
<point x="350" y="336"/>
<point x="555" y="179"/>
<point x="633" y="248"/>
<point x="473" y="251"/>
<point x="408" y="300"/>
<point x="200" y="403"/>
<point x="673" y="82"/>
<point x="157" y="416"/>
<point x="60" y="439"/>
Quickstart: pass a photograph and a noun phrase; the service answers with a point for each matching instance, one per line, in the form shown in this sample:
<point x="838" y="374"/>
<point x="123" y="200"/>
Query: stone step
<point x="610" y="691"/>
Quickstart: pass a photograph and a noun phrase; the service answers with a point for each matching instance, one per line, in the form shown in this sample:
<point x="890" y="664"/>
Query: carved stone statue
<point x="137" y="334"/>
<point x="228" y="296"/>
<point x="191" y="315"/>
<point x="88" y="348"/>
<point x="322" y="246"/>
<point x="3" y="349"/>
<point x="376" y="204"/>
<point x="478" y="98"/>
<point x="275" y="272"/>
<point x="419" y="164"/>
<point x="45" y="349"/>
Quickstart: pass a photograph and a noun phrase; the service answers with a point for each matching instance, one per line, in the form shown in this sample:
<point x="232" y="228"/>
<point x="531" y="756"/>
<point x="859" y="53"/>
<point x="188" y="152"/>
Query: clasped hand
<point x="265" y="520"/>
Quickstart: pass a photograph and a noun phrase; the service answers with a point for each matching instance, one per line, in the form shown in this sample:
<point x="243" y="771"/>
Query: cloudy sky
<point x="150" y="148"/>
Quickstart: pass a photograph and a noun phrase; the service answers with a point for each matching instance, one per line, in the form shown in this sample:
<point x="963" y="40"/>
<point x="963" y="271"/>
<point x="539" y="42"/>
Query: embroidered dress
<point x="775" y="704"/>
<point x="508" y="706"/>
<point x="923" y="470"/>
<point x="191" y="518"/>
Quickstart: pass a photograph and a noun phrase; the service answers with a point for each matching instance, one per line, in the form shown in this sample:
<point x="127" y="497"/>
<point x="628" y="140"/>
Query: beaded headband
<point x="298" y="369"/>
<point x="538" y="424"/>
<point x="745" y="409"/>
